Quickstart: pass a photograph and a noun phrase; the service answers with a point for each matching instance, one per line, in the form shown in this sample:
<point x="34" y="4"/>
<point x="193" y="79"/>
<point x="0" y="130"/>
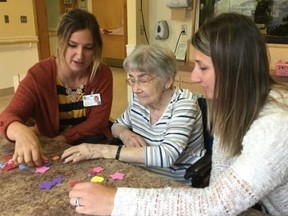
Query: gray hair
<point x="152" y="59"/>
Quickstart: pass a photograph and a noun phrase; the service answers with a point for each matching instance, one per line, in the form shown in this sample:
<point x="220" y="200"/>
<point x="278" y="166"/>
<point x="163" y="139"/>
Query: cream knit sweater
<point x="259" y="173"/>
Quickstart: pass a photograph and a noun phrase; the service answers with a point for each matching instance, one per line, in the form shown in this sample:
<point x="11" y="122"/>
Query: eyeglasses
<point x="142" y="83"/>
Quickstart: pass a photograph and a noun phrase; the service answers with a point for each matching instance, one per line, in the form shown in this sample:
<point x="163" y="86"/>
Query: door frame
<point x="42" y="31"/>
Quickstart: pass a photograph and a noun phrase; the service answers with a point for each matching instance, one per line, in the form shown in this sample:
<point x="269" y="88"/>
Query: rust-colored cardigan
<point x="36" y="97"/>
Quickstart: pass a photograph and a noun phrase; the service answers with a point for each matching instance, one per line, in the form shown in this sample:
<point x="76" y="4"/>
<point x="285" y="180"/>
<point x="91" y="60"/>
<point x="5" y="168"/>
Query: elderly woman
<point x="161" y="128"/>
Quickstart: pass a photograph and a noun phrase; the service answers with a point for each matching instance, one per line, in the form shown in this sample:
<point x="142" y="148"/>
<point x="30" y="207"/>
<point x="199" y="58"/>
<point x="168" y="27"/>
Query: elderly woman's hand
<point x="131" y="139"/>
<point x="80" y="152"/>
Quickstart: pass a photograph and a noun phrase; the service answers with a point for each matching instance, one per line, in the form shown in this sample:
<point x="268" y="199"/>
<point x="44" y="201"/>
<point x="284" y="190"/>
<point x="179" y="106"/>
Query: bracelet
<point x="118" y="152"/>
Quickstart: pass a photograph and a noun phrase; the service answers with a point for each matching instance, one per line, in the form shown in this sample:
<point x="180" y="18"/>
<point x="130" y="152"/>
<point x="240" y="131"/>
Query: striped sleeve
<point x="183" y="125"/>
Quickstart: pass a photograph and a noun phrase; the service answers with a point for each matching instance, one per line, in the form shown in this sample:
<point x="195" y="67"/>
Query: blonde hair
<point x="76" y="20"/>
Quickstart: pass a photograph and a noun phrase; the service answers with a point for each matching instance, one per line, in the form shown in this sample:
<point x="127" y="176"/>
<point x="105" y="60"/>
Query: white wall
<point x="14" y="59"/>
<point x="159" y="11"/>
<point x="18" y="41"/>
<point x="277" y="52"/>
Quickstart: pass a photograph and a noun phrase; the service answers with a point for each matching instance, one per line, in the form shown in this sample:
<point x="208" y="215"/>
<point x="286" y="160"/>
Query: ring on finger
<point x="77" y="202"/>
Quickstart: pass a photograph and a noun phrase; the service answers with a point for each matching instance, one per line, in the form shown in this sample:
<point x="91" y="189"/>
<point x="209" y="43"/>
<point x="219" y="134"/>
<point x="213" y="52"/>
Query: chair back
<point x="199" y="172"/>
<point x="208" y="138"/>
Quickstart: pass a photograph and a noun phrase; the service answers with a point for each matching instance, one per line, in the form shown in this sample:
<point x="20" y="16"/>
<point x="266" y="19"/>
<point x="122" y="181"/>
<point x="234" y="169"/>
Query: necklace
<point x="74" y="95"/>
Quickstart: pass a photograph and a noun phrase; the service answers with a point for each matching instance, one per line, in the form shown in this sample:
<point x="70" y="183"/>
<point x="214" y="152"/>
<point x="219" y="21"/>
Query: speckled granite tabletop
<point x="20" y="194"/>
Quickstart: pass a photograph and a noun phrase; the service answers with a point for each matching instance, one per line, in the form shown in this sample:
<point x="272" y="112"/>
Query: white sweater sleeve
<point x="242" y="181"/>
<point x="181" y="201"/>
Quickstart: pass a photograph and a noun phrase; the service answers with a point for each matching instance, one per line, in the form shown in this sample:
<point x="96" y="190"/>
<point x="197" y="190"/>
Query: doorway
<point x="112" y="18"/>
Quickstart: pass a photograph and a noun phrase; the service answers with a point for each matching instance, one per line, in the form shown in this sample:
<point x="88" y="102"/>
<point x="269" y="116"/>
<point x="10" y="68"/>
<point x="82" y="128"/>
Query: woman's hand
<point x="92" y="198"/>
<point x="78" y="153"/>
<point x="27" y="146"/>
<point x="131" y="139"/>
<point x="87" y="151"/>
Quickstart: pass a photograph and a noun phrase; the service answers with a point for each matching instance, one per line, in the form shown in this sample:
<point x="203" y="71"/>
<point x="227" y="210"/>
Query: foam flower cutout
<point x="95" y="170"/>
<point x="10" y="161"/>
<point x="9" y="167"/>
<point x="23" y="167"/>
<point x="97" y="179"/>
<point x="6" y="158"/>
<point x="58" y="180"/>
<point x="2" y="165"/>
<point x="98" y="169"/>
<point x="42" y="169"/>
<point x="117" y="176"/>
<point x="47" y="185"/>
<point x="73" y="183"/>
<point x="55" y="158"/>
<point x="47" y="163"/>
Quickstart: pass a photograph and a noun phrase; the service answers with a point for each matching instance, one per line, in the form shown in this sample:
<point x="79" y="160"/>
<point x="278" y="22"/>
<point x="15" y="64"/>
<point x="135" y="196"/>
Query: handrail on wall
<point x="18" y="42"/>
<point x="25" y="45"/>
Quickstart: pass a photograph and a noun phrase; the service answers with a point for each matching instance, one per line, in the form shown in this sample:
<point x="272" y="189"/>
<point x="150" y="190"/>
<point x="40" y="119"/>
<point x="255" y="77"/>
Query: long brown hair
<point x="76" y="20"/>
<point x="242" y="80"/>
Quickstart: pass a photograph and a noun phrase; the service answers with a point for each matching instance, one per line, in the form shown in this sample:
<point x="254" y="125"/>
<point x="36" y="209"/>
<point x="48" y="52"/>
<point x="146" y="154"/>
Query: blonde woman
<point x="58" y="93"/>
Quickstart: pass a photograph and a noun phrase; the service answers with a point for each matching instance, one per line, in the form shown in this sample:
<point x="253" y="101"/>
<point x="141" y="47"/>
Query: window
<point x="271" y="16"/>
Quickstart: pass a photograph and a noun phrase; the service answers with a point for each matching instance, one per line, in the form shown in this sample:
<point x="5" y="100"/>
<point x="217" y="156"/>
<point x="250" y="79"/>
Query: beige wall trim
<point x="285" y="46"/>
<point x="52" y="32"/>
<point x="15" y="40"/>
<point x="113" y="62"/>
<point x="6" y="91"/>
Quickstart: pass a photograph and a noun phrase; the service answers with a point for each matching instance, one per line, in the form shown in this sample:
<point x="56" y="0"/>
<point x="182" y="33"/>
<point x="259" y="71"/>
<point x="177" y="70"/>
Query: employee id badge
<point x="91" y="100"/>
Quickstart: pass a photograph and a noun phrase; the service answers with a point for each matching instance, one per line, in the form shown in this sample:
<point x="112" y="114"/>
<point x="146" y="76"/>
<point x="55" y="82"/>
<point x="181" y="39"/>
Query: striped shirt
<point x="179" y="128"/>
<point x="71" y="113"/>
